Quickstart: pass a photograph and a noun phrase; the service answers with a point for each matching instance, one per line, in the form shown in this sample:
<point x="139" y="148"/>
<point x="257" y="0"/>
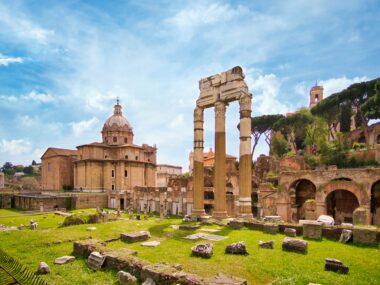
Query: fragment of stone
<point x="91" y="229"/>
<point x="237" y="248"/>
<point x="43" y="268"/>
<point x="345" y="236"/>
<point x="149" y="281"/>
<point x="126" y="278"/>
<point x="175" y="227"/>
<point x="153" y="243"/>
<point x="273" y="219"/>
<point x="5" y="228"/>
<point x="64" y="259"/>
<point x="205" y="236"/>
<point x="271" y="228"/>
<point x="290" y="232"/>
<point x="135" y="236"/>
<point x="236" y="224"/>
<point x="312" y="229"/>
<point x="96" y="260"/>
<point x="63" y="214"/>
<point x="327" y="220"/>
<point x="204" y="250"/>
<point x="225" y="280"/>
<point x="349" y="225"/>
<point x="20" y="227"/>
<point x="336" y="266"/>
<point x="188" y="227"/>
<point x="295" y="245"/>
<point x="210" y="230"/>
<point x="266" y="244"/>
<point x="367" y="236"/>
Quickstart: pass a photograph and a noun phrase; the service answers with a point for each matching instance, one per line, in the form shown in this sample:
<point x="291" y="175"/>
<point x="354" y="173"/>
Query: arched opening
<point x="341" y="204"/>
<point x="378" y="139"/>
<point x="342" y="179"/>
<point x="254" y="199"/>
<point x="375" y="203"/>
<point x="361" y="138"/>
<point x="304" y="191"/>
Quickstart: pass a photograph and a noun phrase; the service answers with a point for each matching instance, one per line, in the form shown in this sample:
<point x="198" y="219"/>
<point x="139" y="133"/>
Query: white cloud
<point x="39" y="97"/>
<point x="265" y="89"/>
<point x="22" y="27"/>
<point x="333" y="85"/>
<point x="81" y="127"/>
<point x="6" y="60"/>
<point x="27" y="121"/>
<point x="15" y="147"/>
<point x="205" y="14"/>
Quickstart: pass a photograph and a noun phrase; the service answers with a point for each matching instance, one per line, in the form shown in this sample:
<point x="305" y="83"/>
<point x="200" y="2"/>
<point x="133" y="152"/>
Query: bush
<point x="279" y="146"/>
<point x="76" y="220"/>
<point x="311" y="160"/>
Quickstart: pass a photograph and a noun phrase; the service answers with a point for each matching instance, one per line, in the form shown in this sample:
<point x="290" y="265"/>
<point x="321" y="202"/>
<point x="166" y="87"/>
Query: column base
<point x="245" y="216"/>
<point x="197" y="213"/>
<point x="220" y="214"/>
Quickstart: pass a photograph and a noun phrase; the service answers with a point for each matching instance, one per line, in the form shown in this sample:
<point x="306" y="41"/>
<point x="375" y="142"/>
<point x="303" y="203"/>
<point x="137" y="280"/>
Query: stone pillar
<point x="220" y="206"/>
<point x="245" y="161"/>
<point x="198" y="172"/>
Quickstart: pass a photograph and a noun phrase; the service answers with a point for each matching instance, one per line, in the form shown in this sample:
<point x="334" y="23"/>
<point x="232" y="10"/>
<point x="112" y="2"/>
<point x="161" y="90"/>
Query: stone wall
<point x="2" y="183"/>
<point x="91" y="200"/>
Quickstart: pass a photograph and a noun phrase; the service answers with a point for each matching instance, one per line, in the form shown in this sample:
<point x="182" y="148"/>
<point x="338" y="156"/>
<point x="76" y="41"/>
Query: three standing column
<point x="198" y="172"/>
<point x="245" y="161"/>
<point x="220" y="204"/>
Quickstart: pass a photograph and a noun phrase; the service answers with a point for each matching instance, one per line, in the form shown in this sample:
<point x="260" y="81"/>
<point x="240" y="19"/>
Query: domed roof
<point x="117" y="119"/>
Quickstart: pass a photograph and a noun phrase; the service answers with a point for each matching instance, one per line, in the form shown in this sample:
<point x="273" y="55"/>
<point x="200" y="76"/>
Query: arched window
<point x="125" y="173"/>
<point x="114" y="139"/>
<point x="125" y="140"/>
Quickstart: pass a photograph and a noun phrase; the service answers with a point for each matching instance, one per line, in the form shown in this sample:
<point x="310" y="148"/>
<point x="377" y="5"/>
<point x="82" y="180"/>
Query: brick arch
<point x="294" y="182"/>
<point x="350" y="186"/>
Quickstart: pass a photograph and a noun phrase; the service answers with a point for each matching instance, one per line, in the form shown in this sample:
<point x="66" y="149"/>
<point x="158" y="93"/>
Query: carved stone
<point x="336" y="266"/>
<point x="294" y="245"/>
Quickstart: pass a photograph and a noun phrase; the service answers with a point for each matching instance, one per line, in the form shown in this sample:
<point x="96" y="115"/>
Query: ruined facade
<point x="164" y="172"/>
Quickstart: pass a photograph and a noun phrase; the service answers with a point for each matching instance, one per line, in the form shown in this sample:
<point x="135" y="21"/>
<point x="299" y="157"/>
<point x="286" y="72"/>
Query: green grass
<point x="261" y="266"/>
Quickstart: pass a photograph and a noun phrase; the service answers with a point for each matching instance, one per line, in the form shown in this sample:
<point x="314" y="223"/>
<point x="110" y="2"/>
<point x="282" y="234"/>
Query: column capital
<point x="245" y="102"/>
<point x="220" y="109"/>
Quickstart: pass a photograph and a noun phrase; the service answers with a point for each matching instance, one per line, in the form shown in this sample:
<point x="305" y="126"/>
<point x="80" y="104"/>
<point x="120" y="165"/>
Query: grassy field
<point x="261" y="266"/>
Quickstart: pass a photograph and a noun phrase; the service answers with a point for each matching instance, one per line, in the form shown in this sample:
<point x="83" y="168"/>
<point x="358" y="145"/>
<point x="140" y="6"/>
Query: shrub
<point x="76" y="220"/>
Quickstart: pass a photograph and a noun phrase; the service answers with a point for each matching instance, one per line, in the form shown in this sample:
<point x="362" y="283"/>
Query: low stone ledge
<point x="85" y="247"/>
<point x="271" y="228"/>
<point x="312" y="230"/>
<point x="366" y="236"/>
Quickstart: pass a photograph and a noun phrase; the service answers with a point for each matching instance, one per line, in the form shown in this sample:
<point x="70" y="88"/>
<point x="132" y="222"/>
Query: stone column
<point x="245" y="161"/>
<point x="198" y="172"/>
<point x="220" y="204"/>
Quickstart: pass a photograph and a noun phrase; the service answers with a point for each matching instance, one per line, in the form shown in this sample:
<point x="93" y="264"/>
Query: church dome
<point x="117" y="129"/>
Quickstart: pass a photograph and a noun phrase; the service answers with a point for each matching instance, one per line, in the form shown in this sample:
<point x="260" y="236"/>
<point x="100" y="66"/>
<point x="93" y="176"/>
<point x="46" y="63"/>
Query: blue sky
<point x="63" y="63"/>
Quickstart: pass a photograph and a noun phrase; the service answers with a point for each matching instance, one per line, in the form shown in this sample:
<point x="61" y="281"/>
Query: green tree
<point x="28" y="170"/>
<point x="8" y="168"/>
<point x="316" y="132"/>
<point x="279" y="146"/>
<point x="263" y="125"/>
<point x="345" y="118"/>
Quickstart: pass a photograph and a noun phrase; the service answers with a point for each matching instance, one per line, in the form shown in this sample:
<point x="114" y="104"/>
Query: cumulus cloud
<point x="266" y="89"/>
<point x="334" y="85"/>
<point x="39" y="97"/>
<point x="81" y="127"/>
<point x="6" y="60"/>
<point x="18" y="146"/>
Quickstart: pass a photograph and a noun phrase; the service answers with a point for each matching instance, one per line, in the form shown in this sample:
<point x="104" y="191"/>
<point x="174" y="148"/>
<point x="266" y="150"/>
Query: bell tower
<point x="316" y="95"/>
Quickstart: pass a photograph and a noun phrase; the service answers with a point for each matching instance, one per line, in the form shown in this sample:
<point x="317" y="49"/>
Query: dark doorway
<point x="122" y="206"/>
<point x="304" y="190"/>
<point x="375" y="203"/>
<point x="341" y="204"/>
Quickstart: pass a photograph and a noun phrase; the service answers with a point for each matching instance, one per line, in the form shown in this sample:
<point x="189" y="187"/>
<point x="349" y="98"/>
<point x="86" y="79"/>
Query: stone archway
<point x="303" y="196"/>
<point x="375" y="203"/>
<point x="341" y="204"/>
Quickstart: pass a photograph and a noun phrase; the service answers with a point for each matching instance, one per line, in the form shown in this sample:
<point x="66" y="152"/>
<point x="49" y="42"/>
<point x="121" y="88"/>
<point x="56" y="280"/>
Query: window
<point x="114" y="139"/>
<point x="125" y="140"/>
<point x="316" y="98"/>
<point x="113" y="173"/>
<point x="126" y="157"/>
<point x="113" y="187"/>
<point x="49" y="166"/>
<point x="126" y="173"/>
<point x="137" y="158"/>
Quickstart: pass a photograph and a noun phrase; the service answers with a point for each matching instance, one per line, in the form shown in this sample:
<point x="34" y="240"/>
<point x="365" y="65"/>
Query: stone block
<point x="203" y="250"/>
<point x="236" y="224"/>
<point x="151" y="243"/>
<point x="290" y="232"/>
<point x="272" y="219"/>
<point x="360" y="216"/>
<point x="43" y="268"/>
<point x="346" y="236"/>
<point x="295" y="245"/>
<point x="135" y="236"/>
<point x="237" y="248"/>
<point x="126" y="278"/>
<point x="188" y="227"/>
<point x="327" y="220"/>
<point x="266" y="244"/>
<point x="365" y="236"/>
<point x="312" y="229"/>
<point x="271" y="228"/>
<point x="85" y="247"/>
<point x="336" y="266"/>
<point x="96" y="260"/>
<point x="64" y="259"/>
